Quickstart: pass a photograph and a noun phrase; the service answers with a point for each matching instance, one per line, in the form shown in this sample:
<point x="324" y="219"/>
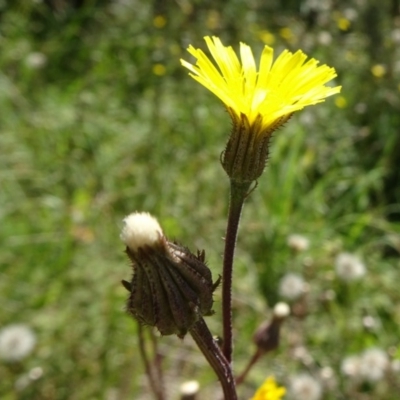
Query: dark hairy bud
<point x="171" y="288"/>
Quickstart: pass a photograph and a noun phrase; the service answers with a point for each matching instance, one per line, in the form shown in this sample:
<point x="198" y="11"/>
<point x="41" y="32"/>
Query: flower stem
<point x="213" y="353"/>
<point x="238" y="192"/>
<point x="154" y="384"/>
<point x="256" y="356"/>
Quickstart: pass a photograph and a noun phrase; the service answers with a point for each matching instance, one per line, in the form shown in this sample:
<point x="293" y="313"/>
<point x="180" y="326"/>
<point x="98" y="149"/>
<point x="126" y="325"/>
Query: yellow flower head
<point x="277" y="89"/>
<point x="257" y="101"/>
<point x="269" y="390"/>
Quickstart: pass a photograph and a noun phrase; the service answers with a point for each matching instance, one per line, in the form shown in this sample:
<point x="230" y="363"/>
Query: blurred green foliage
<point x="98" y="119"/>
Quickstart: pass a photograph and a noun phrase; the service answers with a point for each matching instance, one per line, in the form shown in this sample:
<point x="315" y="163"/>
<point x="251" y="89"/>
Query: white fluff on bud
<point x="281" y="310"/>
<point x="140" y="229"/>
<point x="189" y="388"/>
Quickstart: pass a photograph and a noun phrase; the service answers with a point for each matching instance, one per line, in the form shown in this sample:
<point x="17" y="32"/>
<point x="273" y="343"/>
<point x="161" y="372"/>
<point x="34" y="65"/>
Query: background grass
<point x="98" y="119"/>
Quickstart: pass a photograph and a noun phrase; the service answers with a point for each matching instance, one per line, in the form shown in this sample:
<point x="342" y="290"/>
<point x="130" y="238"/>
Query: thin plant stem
<point x="238" y="192"/>
<point x="157" y="362"/>
<point x="213" y="353"/>
<point x="256" y="356"/>
<point x="157" y="390"/>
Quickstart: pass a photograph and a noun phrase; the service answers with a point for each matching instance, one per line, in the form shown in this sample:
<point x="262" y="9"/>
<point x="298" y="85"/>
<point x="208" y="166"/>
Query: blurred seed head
<point x="396" y="35"/>
<point x="328" y="296"/>
<point x="361" y="108"/>
<point x="26" y="379"/>
<point x="396" y="68"/>
<point x="369" y="322"/>
<point x="292" y="286"/>
<point x="318" y="5"/>
<point x="350" y="13"/>
<point x="395" y="366"/>
<point x="301" y="354"/>
<point x="328" y="378"/>
<point x="351" y="366"/>
<point x="324" y="38"/>
<point x="35" y="60"/>
<point x="369" y="366"/>
<point x="298" y="242"/>
<point x="307" y="118"/>
<point x="16" y="342"/>
<point x="349" y="267"/>
<point x="305" y="387"/>
<point x="374" y="364"/>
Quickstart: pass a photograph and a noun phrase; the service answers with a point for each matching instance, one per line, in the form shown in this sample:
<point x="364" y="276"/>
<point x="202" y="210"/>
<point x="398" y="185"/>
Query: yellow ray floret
<point x="269" y="390"/>
<point x="277" y="89"/>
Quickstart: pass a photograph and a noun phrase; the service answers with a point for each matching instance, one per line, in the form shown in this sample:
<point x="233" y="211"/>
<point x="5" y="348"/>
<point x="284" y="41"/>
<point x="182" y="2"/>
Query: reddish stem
<point x="237" y="196"/>
<point x="212" y="352"/>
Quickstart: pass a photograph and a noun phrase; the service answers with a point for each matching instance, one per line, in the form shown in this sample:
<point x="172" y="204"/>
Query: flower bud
<point x="267" y="335"/>
<point x="171" y="288"/>
<point x="189" y="390"/>
<point x="247" y="150"/>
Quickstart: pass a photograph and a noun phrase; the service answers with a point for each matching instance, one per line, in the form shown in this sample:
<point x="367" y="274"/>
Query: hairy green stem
<point x="238" y="192"/>
<point x="213" y="353"/>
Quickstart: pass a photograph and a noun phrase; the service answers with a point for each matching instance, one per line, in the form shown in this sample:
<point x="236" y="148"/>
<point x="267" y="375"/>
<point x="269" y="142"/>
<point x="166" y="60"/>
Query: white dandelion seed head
<point x="35" y="373"/>
<point x="281" y="310"/>
<point x="350" y="13"/>
<point x="298" y="242"/>
<point x="395" y="35"/>
<point x="140" y="229"/>
<point x="328" y="377"/>
<point x="36" y="60"/>
<point x="292" y="286"/>
<point x="26" y="379"/>
<point x="325" y="38"/>
<point x="395" y="366"/>
<point x="369" y="322"/>
<point x="351" y="366"/>
<point x="361" y="108"/>
<point x="302" y="354"/>
<point x="305" y="387"/>
<point x="349" y="267"/>
<point x="16" y="342"/>
<point x="22" y="382"/>
<point x="374" y="363"/>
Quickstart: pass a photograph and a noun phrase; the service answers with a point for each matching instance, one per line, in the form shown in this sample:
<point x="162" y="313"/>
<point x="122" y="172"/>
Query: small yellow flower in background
<point x="159" y="21"/>
<point x="213" y="20"/>
<point x="159" y="69"/>
<point x="258" y="101"/>
<point x="343" y="24"/>
<point x="378" y="70"/>
<point x="286" y="33"/>
<point x="269" y="390"/>
<point x="350" y="56"/>
<point x="341" y="102"/>
<point x="266" y="37"/>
